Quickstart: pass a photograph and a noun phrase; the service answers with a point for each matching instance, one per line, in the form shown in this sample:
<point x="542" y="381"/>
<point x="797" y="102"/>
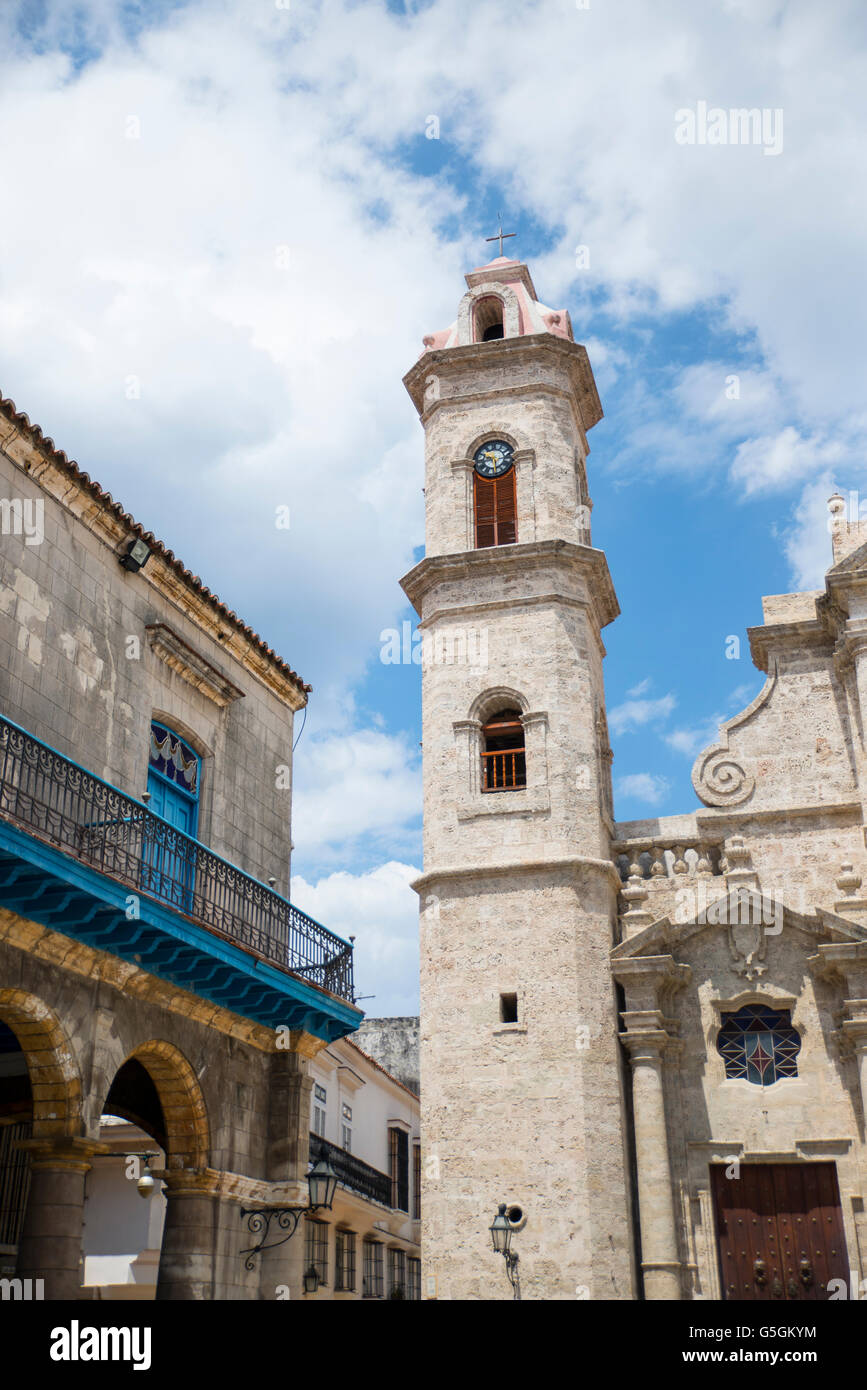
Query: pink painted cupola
<point x="500" y="302"/>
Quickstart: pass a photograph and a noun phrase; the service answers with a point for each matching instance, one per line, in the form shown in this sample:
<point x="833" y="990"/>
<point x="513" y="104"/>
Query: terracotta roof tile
<point x="43" y="441"/>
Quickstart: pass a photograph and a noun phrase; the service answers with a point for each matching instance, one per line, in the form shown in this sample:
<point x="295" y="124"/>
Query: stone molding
<point x="528" y="801"/>
<point x="528" y="555"/>
<point x="524" y="348"/>
<point x="573" y="864"/>
<point x="171" y="648"/>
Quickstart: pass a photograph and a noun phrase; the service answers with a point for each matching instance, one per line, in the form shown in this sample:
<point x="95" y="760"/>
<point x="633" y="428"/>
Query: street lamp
<point x="501" y="1239"/>
<point x="321" y="1185"/>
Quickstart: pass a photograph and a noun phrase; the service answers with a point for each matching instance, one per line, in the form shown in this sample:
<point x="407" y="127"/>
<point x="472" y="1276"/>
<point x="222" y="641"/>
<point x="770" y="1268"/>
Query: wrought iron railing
<point x="351" y="1171"/>
<point x="54" y="798"/>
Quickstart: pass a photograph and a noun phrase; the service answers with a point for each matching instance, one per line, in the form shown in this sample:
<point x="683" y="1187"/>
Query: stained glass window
<point x="174" y="759"/>
<point x="759" y="1044"/>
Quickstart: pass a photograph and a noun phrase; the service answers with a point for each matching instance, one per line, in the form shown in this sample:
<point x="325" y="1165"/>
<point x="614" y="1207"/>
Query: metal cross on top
<point x="501" y="235"/>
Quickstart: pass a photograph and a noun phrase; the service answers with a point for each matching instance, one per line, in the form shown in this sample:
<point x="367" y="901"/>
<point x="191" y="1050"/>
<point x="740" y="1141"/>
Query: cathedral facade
<point x="646" y="1041"/>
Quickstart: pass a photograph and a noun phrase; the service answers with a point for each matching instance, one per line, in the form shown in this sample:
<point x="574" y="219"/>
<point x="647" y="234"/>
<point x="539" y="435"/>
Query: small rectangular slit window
<point x="508" y="1008"/>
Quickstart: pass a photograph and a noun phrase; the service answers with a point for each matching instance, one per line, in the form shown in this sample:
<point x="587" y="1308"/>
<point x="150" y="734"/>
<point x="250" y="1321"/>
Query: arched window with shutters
<point x="504" y="758"/>
<point x="495" y="510"/>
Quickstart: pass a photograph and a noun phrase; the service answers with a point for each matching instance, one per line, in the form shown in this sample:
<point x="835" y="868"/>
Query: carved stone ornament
<point x="718" y="777"/>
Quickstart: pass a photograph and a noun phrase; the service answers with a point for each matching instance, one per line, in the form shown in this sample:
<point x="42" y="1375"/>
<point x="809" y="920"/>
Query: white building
<point x="366" y="1123"/>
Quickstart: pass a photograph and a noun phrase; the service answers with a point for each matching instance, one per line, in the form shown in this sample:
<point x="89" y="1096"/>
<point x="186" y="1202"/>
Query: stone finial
<point x="739" y="870"/>
<point x="635" y="895"/>
<point x="852" y="904"/>
<point x="848" y="881"/>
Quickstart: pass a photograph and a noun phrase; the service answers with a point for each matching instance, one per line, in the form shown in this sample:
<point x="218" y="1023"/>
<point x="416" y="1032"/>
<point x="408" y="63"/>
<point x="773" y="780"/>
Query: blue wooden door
<point x="168" y="859"/>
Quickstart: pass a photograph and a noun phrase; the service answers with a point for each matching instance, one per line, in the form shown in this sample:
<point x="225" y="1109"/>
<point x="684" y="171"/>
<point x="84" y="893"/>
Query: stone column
<point x="188" y="1256"/>
<point x="50" y="1244"/>
<point x="648" y="982"/>
<point x="287" y="1161"/>
<point x="660" y="1264"/>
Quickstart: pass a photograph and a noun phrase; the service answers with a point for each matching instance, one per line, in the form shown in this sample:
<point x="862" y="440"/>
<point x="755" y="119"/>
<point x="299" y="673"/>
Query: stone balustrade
<point x="665" y="860"/>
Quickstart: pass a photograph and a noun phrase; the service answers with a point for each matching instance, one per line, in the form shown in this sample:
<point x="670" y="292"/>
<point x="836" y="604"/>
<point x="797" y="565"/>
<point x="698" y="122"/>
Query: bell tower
<point x="521" y="1080"/>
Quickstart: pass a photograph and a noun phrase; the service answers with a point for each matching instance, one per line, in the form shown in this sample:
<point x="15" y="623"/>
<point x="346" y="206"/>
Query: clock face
<point x="494" y="458"/>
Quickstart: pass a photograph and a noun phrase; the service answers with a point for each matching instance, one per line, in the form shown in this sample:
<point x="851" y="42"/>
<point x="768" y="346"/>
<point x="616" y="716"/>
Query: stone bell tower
<point x="521" y="1085"/>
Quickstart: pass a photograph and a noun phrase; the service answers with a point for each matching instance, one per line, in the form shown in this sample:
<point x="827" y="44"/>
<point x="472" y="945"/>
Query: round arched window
<point x="504" y="761"/>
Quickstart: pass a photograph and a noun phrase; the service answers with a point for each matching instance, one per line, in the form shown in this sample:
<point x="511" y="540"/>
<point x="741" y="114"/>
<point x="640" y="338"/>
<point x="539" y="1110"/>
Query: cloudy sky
<point x="229" y="223"/>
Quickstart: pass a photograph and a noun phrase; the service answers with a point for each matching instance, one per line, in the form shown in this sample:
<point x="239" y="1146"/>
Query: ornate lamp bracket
<point x="259" y="1221"/>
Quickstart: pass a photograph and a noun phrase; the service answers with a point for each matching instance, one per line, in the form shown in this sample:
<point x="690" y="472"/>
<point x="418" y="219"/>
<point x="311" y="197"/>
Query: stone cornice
<point x="573" y="357"/>
<point x="502" y="559"/>
<point x="573" y="864"/>
<point x="796" y="636"/>
<point x="171" y="648"/>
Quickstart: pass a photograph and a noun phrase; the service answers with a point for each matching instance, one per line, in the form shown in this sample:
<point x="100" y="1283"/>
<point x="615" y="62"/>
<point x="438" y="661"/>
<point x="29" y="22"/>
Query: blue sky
<point x="227" y="231"/>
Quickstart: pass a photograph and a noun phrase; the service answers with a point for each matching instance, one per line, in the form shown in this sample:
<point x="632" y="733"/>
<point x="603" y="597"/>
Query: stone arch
<point x="497" y="698"/>
<point x="494" y="432"/>
<point x="491" y="289"/>
<point x="52" y="1068"/>
<point x="187" y="1132"/>
<point x="186" y="731"/>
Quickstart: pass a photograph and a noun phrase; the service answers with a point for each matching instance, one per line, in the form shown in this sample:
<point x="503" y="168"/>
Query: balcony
<point x="78" y="855"/>
<point x="352" y="1172"/>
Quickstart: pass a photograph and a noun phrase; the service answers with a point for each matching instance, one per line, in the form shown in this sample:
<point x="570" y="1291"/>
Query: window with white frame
<point x="320" y="1097"/>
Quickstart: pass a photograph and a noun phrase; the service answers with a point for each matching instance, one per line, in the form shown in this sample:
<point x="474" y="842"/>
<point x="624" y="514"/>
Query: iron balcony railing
<point x="351" y="1171"/>
<point x="54" y="798"/>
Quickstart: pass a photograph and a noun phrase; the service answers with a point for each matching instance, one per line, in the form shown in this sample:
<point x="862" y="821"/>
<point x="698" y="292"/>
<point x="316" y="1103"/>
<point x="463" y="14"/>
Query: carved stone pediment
<point x="171" y="648"/>
<point x="750" y="920"/>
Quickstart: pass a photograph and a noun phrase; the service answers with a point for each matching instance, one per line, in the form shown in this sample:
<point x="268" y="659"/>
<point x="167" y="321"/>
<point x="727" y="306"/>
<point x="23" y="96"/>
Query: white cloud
<point x="774" y="462"/>
<point x="692" y="741"/>
<point x="641" y="688"/>
<point x="632" y="714"/>
<point x="807" y="542"/>
<point x="355" y="792"/>
<point x="643" y="786"/>
<point x="381" y="911"/>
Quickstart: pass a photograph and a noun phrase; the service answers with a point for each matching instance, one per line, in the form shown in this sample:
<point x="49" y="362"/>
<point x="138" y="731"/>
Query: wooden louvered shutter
<point x="485" y="509"/>
<point x="495" y="511"/>
<point x="506" y="522"/>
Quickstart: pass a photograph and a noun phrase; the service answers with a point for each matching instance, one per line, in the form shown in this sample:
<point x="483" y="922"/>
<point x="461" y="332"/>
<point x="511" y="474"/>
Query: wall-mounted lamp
<point x="321" y="1186"/>
<point x="311" y="1279"/>
<point x="137" y="554"/>
<point x="501" y="1238"/>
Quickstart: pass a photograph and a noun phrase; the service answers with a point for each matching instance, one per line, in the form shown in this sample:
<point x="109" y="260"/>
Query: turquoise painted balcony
<point x="83" y="858"/>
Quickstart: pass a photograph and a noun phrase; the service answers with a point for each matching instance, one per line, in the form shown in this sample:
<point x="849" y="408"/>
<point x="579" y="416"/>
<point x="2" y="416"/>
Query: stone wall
<point x="80" y="670"/>
<point x="393" y="1043"/>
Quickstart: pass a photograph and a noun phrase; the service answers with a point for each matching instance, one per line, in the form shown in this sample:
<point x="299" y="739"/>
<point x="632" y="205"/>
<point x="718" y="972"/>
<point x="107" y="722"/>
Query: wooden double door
<point x="779" y="1231"/>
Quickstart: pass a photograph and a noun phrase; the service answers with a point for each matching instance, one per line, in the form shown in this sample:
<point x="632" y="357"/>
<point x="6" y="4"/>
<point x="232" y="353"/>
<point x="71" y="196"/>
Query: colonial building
<point x="152" y="967"/>
<point x="648" y="1040"/>
<point x="365" y="1123"/>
